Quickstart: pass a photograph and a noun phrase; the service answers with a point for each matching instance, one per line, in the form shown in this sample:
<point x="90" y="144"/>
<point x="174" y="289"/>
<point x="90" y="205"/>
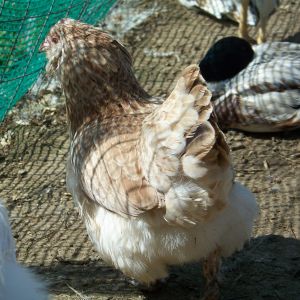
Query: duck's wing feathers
<point x="273" y="51"/>
<point x="260" y="112"/>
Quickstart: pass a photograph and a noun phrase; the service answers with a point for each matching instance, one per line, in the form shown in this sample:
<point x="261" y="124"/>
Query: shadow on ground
<point x="284" y="135"/>
<point x="267" y="268"/>
<point x="295" y="38"/>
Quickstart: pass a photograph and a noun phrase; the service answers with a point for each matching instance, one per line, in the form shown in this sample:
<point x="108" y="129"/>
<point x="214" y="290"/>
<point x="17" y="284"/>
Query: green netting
<point x="23" y="26"/>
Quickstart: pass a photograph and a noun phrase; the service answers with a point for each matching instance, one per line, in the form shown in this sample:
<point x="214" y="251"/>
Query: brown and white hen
<point x="153" y="181"/>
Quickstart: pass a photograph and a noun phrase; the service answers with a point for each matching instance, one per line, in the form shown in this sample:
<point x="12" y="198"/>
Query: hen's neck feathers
<point x="98" y="82"/>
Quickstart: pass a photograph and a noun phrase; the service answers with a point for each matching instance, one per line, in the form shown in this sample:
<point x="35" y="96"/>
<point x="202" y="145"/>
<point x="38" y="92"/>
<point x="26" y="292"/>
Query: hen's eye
<point x="54" y="39"/>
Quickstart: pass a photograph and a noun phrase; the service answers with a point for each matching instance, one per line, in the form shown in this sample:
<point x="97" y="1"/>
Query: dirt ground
<point x="51" y="238"/>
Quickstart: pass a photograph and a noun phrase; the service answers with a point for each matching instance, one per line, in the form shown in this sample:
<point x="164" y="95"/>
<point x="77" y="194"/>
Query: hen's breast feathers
<point x="174" y="158"/>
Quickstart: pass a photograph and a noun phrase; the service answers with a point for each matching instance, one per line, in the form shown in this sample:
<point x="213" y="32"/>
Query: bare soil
<point x="50" y="235"/>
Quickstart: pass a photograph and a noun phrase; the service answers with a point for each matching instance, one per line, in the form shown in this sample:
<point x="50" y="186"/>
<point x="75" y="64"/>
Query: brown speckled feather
<point x="151" y="178"/>
<point x="110" y="173"/>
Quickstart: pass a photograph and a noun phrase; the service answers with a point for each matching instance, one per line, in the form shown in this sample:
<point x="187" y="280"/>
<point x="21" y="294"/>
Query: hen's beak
<point x="45" y="45"/>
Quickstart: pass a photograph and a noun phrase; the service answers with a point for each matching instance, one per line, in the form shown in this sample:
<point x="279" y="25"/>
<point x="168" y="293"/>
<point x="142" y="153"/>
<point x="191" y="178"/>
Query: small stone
<point x="22" y="172"/>
<point x="266" y="165"/>
<point x="275" y="188"/>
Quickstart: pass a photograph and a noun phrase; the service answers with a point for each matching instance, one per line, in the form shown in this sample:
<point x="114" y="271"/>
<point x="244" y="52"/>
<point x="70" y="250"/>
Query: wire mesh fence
<point x="24" y="25"/>
<point x="163" y="37"/>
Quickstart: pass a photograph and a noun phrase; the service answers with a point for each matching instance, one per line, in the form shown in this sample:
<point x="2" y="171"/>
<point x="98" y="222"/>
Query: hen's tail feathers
<point x="165" y="131"/>
<point x="184" y="154"/>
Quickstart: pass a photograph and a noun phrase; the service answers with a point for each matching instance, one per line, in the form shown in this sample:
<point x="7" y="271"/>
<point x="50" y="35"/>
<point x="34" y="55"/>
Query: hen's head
<point x="95" y="70"/>
<point x="83" y="43"/>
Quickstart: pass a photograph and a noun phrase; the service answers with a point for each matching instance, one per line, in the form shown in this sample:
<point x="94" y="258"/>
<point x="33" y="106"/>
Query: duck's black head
<point x="225" y="59"/>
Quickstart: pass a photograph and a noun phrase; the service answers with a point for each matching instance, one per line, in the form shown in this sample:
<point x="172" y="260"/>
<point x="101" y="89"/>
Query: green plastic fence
<point x="23" y="26"/>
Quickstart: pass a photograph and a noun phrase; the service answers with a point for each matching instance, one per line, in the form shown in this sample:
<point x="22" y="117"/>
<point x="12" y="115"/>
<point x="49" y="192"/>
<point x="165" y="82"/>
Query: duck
<point x="255" y="88"/>
<point x="245" y="12"/>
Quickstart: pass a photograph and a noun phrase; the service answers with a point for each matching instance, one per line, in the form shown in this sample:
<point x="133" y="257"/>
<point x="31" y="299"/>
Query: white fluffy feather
<point x="16" y="282"/>
<point x="143" y="247"/>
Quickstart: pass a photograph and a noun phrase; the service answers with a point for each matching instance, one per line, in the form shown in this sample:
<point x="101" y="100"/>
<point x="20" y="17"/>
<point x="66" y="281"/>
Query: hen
<point x="153" y="181"/>
<point x="252" y="12"/>
<point x="16" y="283"/>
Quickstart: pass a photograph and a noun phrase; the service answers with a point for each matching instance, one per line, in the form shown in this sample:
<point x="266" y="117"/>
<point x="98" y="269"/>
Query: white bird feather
<point x="16" y="282"/>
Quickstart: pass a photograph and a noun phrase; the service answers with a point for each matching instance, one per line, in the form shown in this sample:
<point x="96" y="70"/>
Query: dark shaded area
<point x="293" y="38"/>
<point x="268" y="268"/>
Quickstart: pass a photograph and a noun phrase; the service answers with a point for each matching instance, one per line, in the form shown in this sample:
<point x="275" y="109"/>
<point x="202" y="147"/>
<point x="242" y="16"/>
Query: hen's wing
<point x="183" y="153"/>
<point x="104" y="168"/>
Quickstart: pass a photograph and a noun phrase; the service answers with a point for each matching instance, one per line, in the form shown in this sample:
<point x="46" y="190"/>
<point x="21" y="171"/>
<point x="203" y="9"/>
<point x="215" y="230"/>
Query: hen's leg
<point x="211" y="267"/>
